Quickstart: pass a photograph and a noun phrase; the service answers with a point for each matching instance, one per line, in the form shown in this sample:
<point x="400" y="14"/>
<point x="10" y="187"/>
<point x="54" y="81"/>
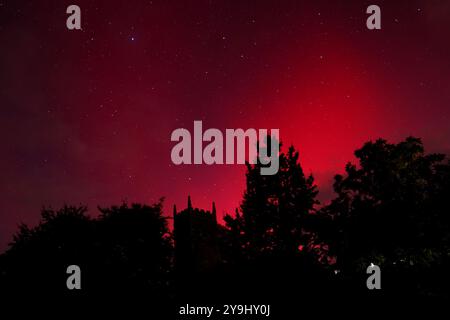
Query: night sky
<point x="86" y="116"/>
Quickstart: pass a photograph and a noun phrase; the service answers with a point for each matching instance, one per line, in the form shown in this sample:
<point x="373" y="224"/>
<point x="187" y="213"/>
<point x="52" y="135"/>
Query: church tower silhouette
<point x="195" y="235"/>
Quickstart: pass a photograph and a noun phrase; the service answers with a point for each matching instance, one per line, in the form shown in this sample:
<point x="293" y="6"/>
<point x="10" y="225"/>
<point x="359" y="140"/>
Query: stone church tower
<point x="196" y="243"/>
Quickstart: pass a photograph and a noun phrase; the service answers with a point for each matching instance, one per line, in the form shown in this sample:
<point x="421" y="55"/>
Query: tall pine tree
<point x="274" y="212"/>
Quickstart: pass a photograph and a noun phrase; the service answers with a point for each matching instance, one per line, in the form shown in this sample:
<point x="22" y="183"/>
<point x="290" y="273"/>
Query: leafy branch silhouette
<point x="391" y="208"/>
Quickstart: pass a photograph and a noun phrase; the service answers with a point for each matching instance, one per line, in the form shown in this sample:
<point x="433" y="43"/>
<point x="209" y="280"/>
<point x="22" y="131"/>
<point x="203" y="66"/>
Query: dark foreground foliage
<point x="281" y="247"/>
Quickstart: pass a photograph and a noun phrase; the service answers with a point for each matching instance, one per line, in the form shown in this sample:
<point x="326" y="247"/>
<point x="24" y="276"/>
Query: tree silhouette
<point x="37" y="259"/>
<point x="392" y="210"/>
<point x="125" y="249"/>
<point x="273" y="245"/>
<point x="135" y="247"/>
<point x="275" y="209"/>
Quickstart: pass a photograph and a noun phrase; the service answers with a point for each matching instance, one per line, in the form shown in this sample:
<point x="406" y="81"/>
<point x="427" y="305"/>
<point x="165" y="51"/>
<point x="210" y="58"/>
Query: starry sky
<point x="86" y="116"/>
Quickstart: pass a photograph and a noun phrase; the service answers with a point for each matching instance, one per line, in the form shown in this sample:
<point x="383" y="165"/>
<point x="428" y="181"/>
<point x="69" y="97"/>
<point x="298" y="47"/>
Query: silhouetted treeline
<point x="392" y="209"/>
<point x="126" y="248"/>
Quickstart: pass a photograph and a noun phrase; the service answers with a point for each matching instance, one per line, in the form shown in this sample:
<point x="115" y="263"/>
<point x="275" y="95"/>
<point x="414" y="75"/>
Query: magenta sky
<point x="86" y="116"/>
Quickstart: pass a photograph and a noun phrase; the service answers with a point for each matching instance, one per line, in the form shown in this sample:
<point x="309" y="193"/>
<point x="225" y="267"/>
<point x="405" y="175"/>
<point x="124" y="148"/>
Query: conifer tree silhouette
<point x="391" y="209"/>
<point x="274" y="213"/>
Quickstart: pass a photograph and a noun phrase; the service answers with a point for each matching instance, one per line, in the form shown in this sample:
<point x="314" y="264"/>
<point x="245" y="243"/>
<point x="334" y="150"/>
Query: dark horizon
<point x="86" y="115"/>
<point x="125" y="125"/>
<point x="390" y="212"/>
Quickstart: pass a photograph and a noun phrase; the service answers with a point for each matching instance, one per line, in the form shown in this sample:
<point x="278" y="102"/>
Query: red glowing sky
<point x="86" y="116"/>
